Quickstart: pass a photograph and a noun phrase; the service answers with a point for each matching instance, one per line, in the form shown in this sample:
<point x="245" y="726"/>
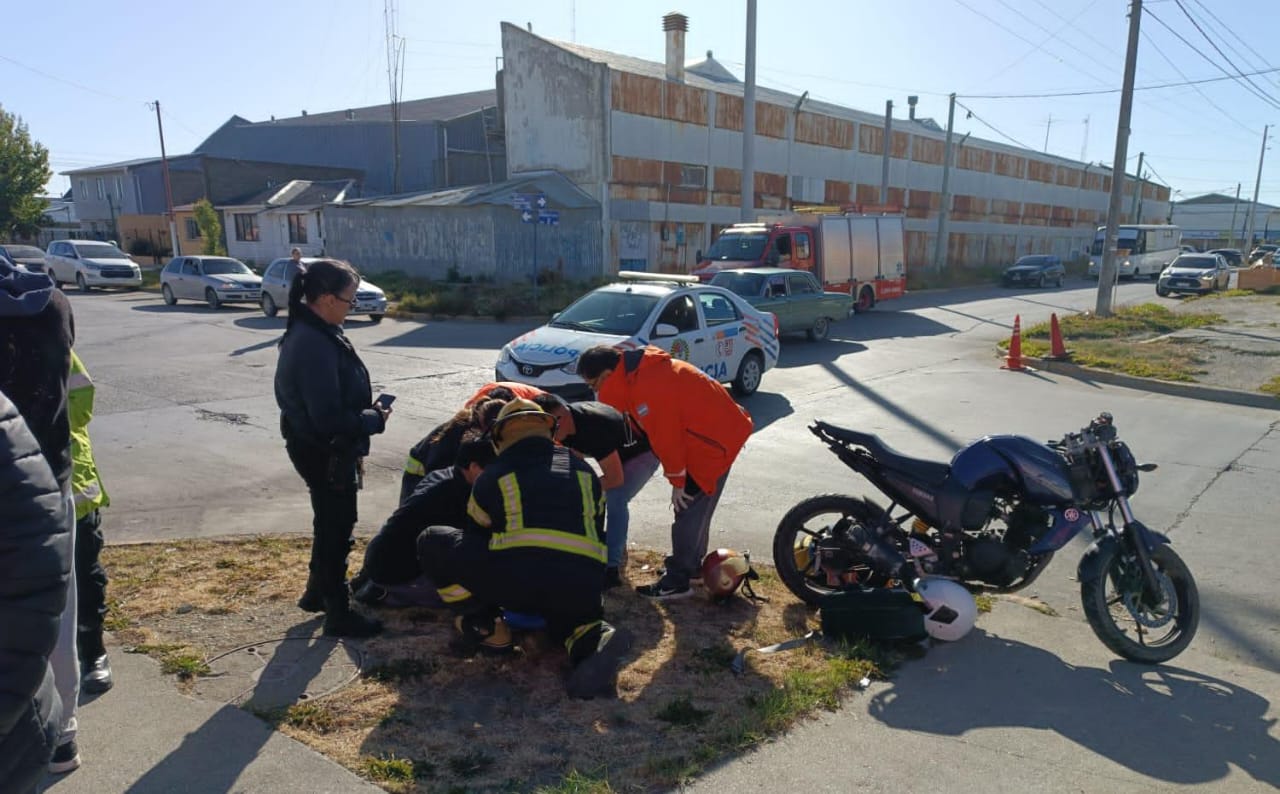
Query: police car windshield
<point x="737" y="245"/>
<point x="607" y="312"/>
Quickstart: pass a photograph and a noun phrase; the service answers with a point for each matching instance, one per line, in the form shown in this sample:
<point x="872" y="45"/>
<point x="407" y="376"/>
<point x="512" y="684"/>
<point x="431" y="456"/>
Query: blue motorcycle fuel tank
<point x="1004" y="463"/>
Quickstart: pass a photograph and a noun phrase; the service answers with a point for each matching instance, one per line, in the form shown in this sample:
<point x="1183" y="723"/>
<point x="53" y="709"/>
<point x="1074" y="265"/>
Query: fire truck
<point x="853" y="249"/>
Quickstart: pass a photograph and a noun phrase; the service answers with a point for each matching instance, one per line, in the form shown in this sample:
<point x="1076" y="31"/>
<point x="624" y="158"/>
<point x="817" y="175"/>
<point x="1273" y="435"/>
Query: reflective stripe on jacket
<point x="537" y="499"/>
<point x="86" y="485"/>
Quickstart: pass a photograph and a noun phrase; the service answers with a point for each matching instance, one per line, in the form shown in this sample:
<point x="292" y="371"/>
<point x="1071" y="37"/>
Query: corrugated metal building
<point x="444" y="141"/>
<point x="660" y="147"/>
<point x="1218" y="221"/>
<point x="476" y="231"/>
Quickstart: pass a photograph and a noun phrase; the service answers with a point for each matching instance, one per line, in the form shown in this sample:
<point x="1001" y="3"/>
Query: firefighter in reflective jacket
<point x="534" y="545"/>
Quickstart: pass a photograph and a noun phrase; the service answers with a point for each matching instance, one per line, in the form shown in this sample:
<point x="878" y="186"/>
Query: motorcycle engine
<point x="1002" y="560"/>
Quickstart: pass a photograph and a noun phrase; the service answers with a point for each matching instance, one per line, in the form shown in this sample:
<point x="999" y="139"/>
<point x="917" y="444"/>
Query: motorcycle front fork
<point x="1134" y="534"/>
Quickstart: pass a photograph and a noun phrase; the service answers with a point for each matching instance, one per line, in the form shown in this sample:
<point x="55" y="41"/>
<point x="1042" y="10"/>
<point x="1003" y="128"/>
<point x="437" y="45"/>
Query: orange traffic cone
<point x="1057" y="350"/>
<point x="1014" y="359"/>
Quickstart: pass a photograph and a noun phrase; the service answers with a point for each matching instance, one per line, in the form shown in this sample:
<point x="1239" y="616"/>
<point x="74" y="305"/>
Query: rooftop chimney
<point x="351" y="115"/>
<point x="675" y="25"/>
<point x="304" y="112"/>
<point x="911" y="107"/>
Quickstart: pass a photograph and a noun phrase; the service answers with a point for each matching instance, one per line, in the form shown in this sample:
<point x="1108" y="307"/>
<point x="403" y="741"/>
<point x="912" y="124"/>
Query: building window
<point x="246" y="228"/>
<point x="84" y="191"/>
<point x="297" y="228"/>
<point x="102" y="188"/>
<point x="119" y="189"/>
<point x="694" y="176"/>
<point x="193" y="229"/>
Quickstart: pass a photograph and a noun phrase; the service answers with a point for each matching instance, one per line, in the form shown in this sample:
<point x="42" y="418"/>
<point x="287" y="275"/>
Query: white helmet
<point x="951" y="610"/>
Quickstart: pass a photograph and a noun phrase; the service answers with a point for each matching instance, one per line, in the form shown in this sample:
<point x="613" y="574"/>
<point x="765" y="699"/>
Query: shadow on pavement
<point x="801" y="352"/>
<point x="914" y="420"/>
<point x="766" y="408"/>
<point x="457" y="334"/>
<point x="1167" y="723"/>
<point x="218" y="752"/>
<point x="194" y="308"/>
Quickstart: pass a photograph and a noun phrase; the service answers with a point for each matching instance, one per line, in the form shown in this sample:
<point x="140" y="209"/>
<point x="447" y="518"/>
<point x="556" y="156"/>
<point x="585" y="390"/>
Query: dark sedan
<point x="27" y="257"/>
<point x="1036" y="270"/>
<point x="1232" y="255"/>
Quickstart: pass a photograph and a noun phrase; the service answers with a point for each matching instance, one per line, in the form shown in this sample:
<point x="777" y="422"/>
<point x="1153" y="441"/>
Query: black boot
<point x="341" y="621"/>
<point x="95" y="670"/>
<point x="312" y="600"/>
<point x="595" y="657"/>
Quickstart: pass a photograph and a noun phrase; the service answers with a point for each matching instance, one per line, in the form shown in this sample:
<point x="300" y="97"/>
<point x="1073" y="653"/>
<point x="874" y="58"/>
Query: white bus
<point x="1141" y="250"/>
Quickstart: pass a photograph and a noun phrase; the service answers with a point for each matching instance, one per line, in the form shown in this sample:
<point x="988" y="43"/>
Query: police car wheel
<point x="750" y="373"/>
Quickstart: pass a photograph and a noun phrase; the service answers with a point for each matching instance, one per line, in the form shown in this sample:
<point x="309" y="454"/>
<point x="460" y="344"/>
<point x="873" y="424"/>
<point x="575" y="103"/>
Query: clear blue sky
<point x="83" y="75"/>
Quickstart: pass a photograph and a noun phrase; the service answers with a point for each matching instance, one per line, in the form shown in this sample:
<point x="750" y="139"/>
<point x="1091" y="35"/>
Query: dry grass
<point x="421" y="718"/>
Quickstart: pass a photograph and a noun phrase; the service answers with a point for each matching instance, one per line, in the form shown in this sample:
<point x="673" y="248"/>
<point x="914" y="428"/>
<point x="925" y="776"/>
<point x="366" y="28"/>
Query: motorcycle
<point x="992" y="520"/>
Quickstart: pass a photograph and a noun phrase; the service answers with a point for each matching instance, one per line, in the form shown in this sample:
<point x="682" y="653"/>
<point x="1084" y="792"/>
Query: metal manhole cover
<point x="278" y="673"/>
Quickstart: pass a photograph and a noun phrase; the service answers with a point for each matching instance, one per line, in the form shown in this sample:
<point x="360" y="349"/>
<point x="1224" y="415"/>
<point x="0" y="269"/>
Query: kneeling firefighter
<point x="534" y="544"/>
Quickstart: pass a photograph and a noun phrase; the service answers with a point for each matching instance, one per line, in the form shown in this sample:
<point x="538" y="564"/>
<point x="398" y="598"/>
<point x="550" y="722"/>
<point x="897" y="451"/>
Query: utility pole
<point x="1047" y="127"/>
<point x="948" y="158"/>
<point x="749" y="120"/>
<point x="1084" y="147"/>
<point x="888" y="147"/>
<point x="795" y="122"/>
<point x="1107" y="273"/>
<point x="1231" y="241"/>
<point x="1137" y="191"/>
<point x="1253" y="207"/>
<point x="168" y="189"/>
<point x="395" y="80"/>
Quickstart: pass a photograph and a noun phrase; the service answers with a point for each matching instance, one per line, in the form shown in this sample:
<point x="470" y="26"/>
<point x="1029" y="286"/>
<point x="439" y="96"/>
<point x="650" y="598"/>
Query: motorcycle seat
<point x="927" y="471"/>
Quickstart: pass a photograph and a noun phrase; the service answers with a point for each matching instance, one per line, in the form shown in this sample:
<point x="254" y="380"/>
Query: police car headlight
<point x="571" y="368"/>
<point x="504" y="357"/>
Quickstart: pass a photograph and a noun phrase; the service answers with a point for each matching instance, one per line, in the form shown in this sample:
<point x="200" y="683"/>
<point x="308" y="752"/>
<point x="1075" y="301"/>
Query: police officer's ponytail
<point x="321" y="277"/>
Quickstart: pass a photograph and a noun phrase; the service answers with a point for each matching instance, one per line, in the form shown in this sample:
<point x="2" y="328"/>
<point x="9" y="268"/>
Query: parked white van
<point x="89" y="264"/>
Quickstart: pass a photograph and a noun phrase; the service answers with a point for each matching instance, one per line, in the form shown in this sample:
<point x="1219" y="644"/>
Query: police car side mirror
<point x="664" y="329"/>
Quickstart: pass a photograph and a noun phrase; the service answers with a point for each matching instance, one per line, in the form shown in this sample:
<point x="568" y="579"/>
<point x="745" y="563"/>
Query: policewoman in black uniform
<point x="327" y="415"/>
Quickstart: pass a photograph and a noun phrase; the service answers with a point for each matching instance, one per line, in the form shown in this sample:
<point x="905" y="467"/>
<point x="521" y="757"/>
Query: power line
<point x="1215" y="64"/>
<point x="991" y="127"/>
<point x="1262" y="58"/>
<point x="1215" y="46"/>
<point x="1050" y="37"/>
<point x="1169" y="60"/>
<point x="1161" y="179"/>
<point x="65" y="81"/>
<point x="1099" y="91"/>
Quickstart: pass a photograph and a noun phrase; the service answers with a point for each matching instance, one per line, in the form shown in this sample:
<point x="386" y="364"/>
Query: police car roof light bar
<point x="678" y="278"/>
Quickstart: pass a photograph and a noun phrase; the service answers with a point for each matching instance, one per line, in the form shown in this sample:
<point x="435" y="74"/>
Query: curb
<point x="1189" y="390"/>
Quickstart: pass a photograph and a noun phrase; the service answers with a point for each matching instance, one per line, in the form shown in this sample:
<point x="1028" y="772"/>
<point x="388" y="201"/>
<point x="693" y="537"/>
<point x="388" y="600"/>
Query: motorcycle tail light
<point x="918" y="526"/>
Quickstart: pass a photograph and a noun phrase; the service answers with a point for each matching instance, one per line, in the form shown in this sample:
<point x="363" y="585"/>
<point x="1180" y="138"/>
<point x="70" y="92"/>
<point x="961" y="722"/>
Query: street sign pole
<point x="535" y="266"/>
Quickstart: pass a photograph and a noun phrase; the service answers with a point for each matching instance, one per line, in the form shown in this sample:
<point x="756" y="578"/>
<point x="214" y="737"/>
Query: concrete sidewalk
<point x="144" y="737"/>
<point x="1029" y="702"/>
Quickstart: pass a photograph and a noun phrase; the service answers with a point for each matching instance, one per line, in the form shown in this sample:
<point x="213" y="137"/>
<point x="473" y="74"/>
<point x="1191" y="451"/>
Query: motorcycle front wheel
<point x="1132" y="625"/>
<point x="795" y="543"/>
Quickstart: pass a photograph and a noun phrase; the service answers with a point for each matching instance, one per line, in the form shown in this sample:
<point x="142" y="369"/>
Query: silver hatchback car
<point x="370" y="299"/>
<point x="213" y="279"/>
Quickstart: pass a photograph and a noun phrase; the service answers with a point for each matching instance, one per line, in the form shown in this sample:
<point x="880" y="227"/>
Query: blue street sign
<point x="549" y="217"/>
<point x="526" y="201"/>
<point x="541" y="201"/>
<point x="520" y="202"/>
<point x="527" y="216"/>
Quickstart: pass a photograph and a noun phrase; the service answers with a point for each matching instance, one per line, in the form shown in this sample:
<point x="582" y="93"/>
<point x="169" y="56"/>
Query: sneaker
<point x="612" y="578"/>
<point x="665" y="589"/>
<point x="597" y="675"/>
<point x="65" y="758"/>
<point x="486" y="633"/>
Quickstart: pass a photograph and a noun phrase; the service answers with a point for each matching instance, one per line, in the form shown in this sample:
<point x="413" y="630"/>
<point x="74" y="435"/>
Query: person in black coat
<point x="35" y="567"/>
<point x="327" y="415"/>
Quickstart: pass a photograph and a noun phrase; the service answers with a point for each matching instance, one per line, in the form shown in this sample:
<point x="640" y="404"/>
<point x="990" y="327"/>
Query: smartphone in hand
<point x="384" y="401"/>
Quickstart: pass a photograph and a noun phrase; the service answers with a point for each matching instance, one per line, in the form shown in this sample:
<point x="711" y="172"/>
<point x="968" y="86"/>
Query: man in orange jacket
<point x="696" y="431"/>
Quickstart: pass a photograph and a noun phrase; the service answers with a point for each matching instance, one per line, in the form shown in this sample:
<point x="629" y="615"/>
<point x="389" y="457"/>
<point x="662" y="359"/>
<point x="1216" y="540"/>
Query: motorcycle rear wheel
<point x="813" y="518"/>
<point x="1111" y="600"/>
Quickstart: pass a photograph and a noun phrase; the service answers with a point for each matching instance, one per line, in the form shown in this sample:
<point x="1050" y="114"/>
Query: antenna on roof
<point x="530" y="26"/>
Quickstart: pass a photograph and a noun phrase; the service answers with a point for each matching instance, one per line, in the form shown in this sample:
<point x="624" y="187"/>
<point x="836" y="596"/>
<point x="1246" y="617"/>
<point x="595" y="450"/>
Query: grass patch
<point x="500" y="723"/>
<point x="461" y="296"/>
<point x="985" y="603"/>
<point x="391" y="769"/>
<point x="1112" y="343"/>
<point x="1271" y="387"/>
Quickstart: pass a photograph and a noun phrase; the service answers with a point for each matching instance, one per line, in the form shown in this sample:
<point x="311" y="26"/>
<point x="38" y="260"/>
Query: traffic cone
<point x="1013" y="360"/>
<point x="1057" y="350"/>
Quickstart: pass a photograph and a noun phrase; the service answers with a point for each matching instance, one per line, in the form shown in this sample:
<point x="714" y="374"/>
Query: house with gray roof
<point x="270" y="223"/>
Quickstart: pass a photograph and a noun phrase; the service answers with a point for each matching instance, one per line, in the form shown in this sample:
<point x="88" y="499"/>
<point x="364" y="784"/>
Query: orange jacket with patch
<point x="695" y="427"/>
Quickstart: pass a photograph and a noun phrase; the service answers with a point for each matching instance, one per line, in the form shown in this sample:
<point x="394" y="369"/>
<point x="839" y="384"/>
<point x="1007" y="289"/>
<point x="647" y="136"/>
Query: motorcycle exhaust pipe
<point x="886" y="559"/>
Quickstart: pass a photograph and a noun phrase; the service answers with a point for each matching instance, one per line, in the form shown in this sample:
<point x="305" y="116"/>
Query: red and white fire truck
<point x="850" y="249"/>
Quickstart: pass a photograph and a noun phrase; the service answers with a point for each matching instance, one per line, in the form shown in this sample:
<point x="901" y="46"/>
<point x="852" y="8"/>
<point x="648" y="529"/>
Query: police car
<point x="710" y="327"/>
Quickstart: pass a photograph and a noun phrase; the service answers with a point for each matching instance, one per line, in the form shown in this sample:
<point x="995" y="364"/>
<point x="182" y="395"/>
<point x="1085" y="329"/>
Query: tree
<point x="210" y="228"/>
<point x="24" y="171"/>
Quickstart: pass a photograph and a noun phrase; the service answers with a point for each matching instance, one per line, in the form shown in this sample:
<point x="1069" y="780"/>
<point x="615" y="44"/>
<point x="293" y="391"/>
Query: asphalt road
<point x="186" y="431"/>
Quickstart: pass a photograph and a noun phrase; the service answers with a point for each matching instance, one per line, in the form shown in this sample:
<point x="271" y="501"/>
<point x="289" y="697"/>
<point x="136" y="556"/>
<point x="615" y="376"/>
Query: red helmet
<point x="724" y="571"/>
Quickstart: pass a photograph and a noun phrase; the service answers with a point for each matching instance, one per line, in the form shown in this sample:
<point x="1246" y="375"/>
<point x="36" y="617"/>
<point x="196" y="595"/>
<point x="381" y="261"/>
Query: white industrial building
<point x="660" y="146"/>
<point x="1215" y="220"/>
